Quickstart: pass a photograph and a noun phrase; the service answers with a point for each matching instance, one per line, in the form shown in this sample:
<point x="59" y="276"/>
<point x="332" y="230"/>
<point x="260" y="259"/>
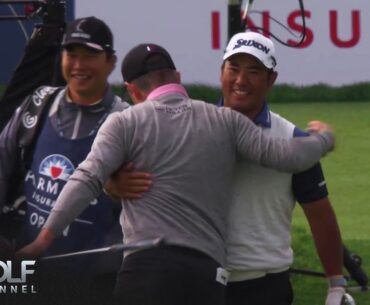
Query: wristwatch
<point x="337" y="281"/>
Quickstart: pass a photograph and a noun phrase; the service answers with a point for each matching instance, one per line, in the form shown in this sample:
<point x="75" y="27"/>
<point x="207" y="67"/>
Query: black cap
<point x="145" y="58"/>
<point x="91" y="32"/>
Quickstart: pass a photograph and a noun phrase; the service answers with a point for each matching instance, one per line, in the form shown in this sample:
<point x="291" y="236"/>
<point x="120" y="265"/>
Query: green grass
<point x="347" y="172"/>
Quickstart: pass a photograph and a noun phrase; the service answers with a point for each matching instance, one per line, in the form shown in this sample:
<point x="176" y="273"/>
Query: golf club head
<point x="6" y="250"/>
<point x="348" y="300"/>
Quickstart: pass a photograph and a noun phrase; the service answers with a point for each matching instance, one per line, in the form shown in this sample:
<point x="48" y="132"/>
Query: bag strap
<point x="34" y="110"/>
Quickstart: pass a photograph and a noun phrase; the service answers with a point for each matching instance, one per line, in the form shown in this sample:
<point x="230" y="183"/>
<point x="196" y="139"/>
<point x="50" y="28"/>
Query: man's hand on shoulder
<point x="325" y="130"/>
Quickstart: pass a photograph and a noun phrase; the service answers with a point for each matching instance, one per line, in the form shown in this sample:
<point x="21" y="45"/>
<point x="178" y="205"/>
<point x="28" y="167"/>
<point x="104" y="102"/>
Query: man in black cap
<point x="52" y="132"/>
<point x="190" y="147"/>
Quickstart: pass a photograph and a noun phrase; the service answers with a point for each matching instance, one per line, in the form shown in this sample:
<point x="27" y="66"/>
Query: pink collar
<point x="167" y="89"/>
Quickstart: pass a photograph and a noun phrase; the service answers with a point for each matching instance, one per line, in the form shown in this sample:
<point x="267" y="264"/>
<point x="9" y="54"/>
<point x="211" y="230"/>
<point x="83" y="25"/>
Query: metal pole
<point x="234" y="17"/>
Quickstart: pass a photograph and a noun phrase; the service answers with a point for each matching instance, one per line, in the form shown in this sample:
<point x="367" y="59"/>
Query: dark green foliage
<point x="359" y="92"/>
<point x="281" y="93"/>
<point x="205" y="93"/>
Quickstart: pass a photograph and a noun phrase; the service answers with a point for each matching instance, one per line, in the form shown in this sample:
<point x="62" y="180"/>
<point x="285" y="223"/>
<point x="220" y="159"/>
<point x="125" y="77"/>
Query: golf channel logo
<point x="13" y="280"/>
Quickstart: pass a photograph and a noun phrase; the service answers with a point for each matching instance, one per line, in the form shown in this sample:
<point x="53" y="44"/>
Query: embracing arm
<point x="127" y="183"/>
<point x="291" y="155"/>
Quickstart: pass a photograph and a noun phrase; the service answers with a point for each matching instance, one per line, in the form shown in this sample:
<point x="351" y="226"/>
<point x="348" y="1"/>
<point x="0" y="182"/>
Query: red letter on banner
<point x="299" y="28"/>
<point x="355" y="30"/>
<point x="215" y="30"/>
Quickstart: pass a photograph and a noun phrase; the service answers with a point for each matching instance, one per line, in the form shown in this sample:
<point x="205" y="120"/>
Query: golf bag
<point x="40" y="64"/>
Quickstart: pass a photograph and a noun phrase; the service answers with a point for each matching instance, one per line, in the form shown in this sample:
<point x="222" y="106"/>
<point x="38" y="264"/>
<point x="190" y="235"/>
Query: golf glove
<point x="348" y="300"/>
<point x="335" y="295"/>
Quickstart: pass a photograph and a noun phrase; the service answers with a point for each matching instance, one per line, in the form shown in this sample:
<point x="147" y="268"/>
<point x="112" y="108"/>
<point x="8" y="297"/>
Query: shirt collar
<point x="104" y="104"/>
<point x="263" y="118"/>
<point x="167" y="89"/>
<point x="69" y="100"/>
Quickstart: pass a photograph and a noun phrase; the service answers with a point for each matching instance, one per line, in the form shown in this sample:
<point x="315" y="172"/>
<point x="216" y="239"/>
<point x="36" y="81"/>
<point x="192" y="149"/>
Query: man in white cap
<point x="259" y="234"/>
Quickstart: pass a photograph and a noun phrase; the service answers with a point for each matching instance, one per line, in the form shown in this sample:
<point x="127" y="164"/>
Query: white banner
<point x="335" y="52"/>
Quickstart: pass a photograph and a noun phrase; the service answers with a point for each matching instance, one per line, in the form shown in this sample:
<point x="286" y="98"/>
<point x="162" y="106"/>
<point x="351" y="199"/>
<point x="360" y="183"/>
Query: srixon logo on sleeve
<point x="13" y="280"/>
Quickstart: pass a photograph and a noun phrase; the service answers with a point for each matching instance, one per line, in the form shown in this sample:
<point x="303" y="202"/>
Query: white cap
<point x="254" y="44"/>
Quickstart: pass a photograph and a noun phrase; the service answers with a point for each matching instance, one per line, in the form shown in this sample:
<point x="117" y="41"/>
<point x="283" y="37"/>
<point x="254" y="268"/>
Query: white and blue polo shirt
<point x="259" y="232"/>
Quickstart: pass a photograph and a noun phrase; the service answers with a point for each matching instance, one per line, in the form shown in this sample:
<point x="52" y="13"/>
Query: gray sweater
<point x="190" y="148"/>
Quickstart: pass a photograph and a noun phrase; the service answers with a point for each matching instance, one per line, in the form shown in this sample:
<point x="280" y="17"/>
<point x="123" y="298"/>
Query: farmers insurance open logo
<point x="14" y="277"/>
